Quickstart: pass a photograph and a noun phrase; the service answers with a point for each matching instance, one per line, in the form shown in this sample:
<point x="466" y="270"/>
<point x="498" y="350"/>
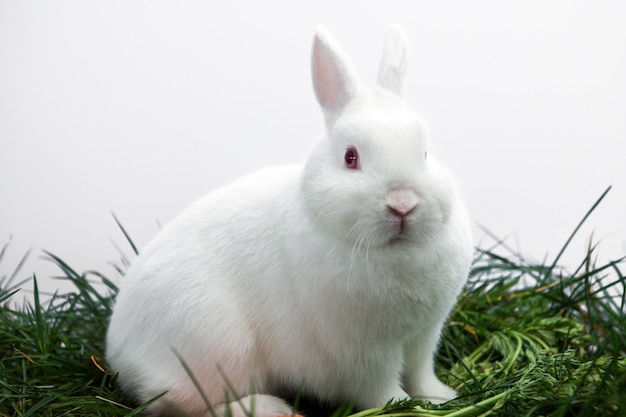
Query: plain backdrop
<point x="141" y="107"/>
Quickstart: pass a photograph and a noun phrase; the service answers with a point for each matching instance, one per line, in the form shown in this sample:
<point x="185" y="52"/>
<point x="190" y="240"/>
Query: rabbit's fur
<point x="334" y="277"/>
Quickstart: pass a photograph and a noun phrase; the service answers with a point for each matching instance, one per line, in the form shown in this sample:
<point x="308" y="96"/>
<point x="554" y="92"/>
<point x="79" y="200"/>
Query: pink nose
<point x="401" y="202"/>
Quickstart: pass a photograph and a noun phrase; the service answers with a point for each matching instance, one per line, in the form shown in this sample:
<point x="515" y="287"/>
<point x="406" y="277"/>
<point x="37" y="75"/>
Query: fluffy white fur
<point x="302" y="276"/>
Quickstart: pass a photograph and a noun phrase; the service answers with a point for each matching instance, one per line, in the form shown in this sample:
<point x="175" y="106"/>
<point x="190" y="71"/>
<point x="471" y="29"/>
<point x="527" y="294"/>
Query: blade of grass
<point x="126" y="235"/>
<point x="578" y="226"/>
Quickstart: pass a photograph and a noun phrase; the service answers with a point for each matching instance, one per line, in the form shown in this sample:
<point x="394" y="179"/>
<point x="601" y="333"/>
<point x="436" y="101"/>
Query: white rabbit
<point x="333" y="277"/>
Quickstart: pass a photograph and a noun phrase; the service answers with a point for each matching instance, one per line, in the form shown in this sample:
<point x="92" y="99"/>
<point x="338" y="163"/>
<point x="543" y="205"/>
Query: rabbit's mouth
<point x="411" y="229"/>
<point x="403" y="225"/>
<point x="401" y="230"/>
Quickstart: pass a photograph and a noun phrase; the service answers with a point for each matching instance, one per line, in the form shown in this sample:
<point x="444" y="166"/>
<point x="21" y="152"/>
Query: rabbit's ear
<point x="392" y="70"/>
<point x="334" y="78"/>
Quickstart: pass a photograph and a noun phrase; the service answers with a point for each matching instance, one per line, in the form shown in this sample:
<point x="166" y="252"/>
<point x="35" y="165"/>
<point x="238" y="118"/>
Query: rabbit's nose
<point x="401" y="202"/>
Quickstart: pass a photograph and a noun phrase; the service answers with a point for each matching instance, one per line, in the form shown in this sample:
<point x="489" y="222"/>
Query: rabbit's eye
<point x="425" y="154"/>
<point x="352" y="158"/>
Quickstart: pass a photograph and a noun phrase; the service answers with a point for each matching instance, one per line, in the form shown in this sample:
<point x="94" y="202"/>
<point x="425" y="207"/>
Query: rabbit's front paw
<point x="433" y="390"/>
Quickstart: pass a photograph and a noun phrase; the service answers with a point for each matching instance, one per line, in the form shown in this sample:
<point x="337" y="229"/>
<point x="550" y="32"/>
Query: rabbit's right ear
<point x="334" y="78"/>
<point x="393" y="64"/>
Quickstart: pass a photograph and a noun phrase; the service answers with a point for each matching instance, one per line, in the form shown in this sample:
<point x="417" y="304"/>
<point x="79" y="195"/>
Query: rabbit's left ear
<point x="335" y="80"/>
<point x="393" y="64"/>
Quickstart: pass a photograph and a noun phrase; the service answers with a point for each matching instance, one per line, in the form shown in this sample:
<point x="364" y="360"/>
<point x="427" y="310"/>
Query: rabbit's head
<point x="371" y="180"/>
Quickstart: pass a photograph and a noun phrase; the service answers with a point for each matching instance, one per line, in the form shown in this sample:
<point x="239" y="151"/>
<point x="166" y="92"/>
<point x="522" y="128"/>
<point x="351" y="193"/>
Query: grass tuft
<point x="525" y="339"/>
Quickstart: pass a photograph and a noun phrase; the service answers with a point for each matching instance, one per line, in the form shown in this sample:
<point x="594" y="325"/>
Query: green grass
<point x="525" y="339"/>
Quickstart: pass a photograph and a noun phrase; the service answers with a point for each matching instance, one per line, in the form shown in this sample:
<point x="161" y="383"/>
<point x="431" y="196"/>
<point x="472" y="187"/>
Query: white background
<point x="141" y="107"/>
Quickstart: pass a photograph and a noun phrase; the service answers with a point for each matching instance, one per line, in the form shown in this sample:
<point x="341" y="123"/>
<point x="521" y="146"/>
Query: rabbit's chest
<point x="394" y="310"/>
<point x="370" y="302"/>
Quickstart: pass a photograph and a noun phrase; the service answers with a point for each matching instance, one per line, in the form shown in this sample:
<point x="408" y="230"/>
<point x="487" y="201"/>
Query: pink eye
<point x="352" y="158"/>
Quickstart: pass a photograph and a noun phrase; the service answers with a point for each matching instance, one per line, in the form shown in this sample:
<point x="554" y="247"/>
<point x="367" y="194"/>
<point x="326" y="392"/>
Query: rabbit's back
<point x="190" y="290"/>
